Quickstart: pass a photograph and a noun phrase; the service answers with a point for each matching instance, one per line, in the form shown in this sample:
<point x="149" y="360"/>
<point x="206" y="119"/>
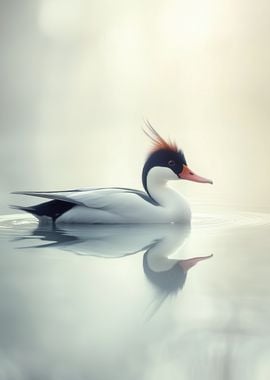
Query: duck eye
<point x="171" y="162"/>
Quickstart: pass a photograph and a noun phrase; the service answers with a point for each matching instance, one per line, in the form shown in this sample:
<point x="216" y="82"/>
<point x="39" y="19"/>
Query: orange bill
<point x="189" y="175"/>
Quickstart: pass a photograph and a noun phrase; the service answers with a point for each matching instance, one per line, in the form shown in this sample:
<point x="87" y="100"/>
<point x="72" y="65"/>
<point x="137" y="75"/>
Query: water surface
<point x="133" y="302"/>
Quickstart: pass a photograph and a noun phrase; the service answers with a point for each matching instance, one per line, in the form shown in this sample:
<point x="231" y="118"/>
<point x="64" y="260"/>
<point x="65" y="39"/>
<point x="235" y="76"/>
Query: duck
<point x="158" y="203"/>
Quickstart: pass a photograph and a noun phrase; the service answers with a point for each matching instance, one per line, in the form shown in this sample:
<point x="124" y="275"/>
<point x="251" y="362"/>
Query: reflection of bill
<point x="171" y="279"/>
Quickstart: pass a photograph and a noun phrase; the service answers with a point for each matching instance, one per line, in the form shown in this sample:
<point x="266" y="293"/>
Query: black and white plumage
<point x="158" y="204"/>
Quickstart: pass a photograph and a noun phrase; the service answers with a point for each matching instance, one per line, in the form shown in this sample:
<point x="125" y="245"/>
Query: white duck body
<point x="121" y="205"/>
<point x="130" y="206"/>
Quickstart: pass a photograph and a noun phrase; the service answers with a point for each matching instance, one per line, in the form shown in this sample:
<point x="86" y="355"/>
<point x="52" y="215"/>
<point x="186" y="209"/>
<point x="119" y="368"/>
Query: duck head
<point x="168" y="162"/>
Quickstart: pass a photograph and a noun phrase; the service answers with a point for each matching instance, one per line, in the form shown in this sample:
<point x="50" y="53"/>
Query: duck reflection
<point x="162" y="245"/>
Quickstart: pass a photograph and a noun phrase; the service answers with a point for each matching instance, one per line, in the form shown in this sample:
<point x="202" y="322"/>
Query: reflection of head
<point x="172" y="279"/>
<point x="169" y="281"/>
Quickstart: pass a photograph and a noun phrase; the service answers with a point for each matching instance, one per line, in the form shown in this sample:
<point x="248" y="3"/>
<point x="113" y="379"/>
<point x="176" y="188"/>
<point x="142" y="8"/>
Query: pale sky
<point x="79" y="77"/>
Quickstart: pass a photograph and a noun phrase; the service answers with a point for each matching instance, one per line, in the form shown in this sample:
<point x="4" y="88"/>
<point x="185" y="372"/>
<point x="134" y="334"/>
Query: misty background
<point x="78" y="77"/>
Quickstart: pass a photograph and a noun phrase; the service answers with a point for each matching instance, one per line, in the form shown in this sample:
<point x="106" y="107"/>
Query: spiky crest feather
<point x="157" y="140"/>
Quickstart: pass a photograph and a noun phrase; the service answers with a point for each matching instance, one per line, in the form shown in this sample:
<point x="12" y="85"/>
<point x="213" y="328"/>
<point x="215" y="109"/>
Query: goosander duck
<point x="115" y="205"/>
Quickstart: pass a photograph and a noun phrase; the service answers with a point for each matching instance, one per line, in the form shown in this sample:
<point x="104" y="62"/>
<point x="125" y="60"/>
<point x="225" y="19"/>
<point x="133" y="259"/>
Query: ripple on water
<point x="229" y="220"/>
<point x="16" y="223"/>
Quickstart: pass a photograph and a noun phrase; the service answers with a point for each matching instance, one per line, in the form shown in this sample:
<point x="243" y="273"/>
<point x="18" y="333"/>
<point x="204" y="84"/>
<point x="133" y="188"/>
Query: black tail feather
<point x="52" y="209"/>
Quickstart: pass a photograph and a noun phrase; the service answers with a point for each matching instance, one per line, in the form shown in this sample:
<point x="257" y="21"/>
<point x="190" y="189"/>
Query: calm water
<point x="127" y="302"/>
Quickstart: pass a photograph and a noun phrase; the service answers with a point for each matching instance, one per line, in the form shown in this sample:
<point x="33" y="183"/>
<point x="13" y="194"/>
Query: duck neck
<point x="155" y="184"/>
